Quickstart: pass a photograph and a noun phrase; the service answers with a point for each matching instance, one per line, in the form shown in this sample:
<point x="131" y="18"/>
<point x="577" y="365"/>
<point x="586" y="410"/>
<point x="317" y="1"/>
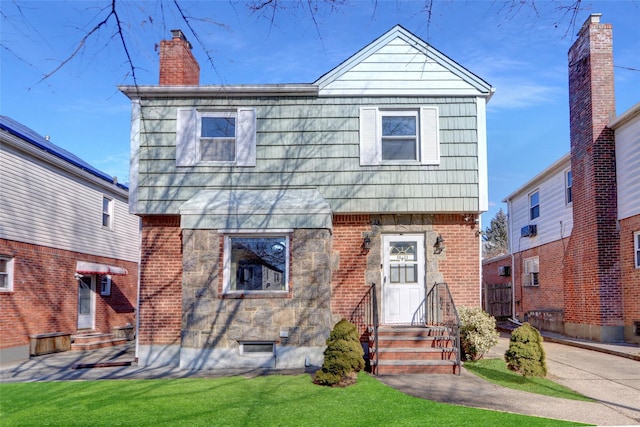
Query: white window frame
<point x="532" y="206"/>
<point x="189" y="126"/>
<point x="216" y="115"/>
<point x="568" y="187"/>
<point x="427" y="138"/>
<point x="8" y="274"/>
<point x="227" y="273"/>
<point x="108" y="213"/>
<point x="105" y="285"/>
<point x="531" y="275"/>
<point x="636" y="248"/>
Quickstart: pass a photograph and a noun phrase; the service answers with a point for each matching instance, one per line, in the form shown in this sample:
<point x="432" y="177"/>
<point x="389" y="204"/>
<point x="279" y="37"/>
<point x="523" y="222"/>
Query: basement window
<point x="257" y="348"/>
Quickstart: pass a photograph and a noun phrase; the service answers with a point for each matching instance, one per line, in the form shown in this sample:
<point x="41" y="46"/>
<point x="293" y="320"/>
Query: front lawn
<point x="496" y="372"/>
<point x="235" y="401"/>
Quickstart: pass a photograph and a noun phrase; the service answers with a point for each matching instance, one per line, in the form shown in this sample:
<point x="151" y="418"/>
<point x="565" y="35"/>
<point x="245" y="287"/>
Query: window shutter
<point x="246" y="137"/>
<point x="429" y="136"/>
<point x="186" y="138"/>
<point x="368" y="136"/>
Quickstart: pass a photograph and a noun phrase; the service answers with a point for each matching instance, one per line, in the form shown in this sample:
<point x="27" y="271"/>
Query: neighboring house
<point x="270" y="212"/>
<point x="574" y="230"/>
<point x="69" y="249"/>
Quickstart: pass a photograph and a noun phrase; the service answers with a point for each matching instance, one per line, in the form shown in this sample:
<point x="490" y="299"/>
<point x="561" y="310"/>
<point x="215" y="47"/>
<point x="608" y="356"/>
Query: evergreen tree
<point x="495" y="236"/>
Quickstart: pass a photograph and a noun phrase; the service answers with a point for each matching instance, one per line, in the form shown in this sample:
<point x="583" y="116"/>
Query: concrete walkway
<point x="608" y="373"/>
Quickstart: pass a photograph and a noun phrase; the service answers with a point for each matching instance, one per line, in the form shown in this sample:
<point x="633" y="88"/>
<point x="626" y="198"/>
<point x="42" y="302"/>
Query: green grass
<point x="235" y="401"/>
<point x="496" y="372"/>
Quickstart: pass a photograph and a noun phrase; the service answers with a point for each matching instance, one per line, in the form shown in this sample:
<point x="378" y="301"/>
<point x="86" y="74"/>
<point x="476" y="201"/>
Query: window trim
<point x="109" y="212"/>
<point x="568" y="187"/>
<point x="416" y="137"/>
<point x="636" y="248"/>
<point x="532" y="208"/>
<point x="531" y="272"/>
<point x="226" y="264"/>
<point x="202" y="114"/>
<point x="9" y="273"/>
<point x="428" y="135"/>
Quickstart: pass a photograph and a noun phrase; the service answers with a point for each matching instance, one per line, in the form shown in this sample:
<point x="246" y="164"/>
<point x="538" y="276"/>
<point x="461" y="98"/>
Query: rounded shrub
<point x="478" y="332"/>
<point x="343" y="357"/>
<point x="526" y="354"/>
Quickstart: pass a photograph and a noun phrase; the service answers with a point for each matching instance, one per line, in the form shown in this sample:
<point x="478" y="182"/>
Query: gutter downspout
<point x="513" y="262"/>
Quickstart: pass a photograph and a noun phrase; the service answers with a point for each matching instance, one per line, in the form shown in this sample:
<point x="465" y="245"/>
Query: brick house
<point x="69" y="250"/>
<point x="270" y="212"/>
<point x="574" y="228"/>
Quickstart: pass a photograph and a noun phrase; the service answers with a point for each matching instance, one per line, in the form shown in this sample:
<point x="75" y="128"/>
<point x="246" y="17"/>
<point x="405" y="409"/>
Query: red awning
<point x="84" y="267"/>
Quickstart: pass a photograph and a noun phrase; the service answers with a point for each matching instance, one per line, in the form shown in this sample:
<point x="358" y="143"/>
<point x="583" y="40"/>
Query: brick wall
<point x="177" y="64"/>
<point x="631" y="277"/>
<point x="593" y="291"/>
<point x="45" y="294"/>
<point x="160" y="280"/>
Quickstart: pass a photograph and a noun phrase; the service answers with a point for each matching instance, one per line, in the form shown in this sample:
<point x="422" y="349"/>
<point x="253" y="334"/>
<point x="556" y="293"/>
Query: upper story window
<point x="531" y="269"/>
<point x="636" y="239"/>
<point x="107" y="212"/>
<point x="408" y="136"/>
<point x="256" y="263"/>
<point x="6" y="274"/>
<point x="569" y="184"/>
<point x="216" y="137"/>
<point x="534" y="205"/>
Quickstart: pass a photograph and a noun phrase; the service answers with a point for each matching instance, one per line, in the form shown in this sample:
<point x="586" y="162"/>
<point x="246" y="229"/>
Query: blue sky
<point x="522" y="53"/>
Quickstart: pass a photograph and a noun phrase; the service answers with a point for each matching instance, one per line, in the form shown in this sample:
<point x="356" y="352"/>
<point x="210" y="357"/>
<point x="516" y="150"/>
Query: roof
<point x="562" y="162"/>
<point x="29" y="135"/>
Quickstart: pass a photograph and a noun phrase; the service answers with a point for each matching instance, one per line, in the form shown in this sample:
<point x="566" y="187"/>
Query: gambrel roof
<point x="400" y="63"/>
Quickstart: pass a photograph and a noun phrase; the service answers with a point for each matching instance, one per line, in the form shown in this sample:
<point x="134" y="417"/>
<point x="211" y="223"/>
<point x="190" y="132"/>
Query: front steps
<point x="415" y="350"/>
<point x="94" y="340"/>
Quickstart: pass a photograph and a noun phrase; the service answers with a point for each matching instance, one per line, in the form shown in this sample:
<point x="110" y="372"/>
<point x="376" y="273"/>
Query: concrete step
<point x="391" y="367"/>
<point x="92" y="341"/>
<point x="416" y="354"/>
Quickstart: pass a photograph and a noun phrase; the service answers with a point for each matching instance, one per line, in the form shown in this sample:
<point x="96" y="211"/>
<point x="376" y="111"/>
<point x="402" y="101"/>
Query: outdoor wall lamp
<point x="438" y="245"/>
<point x="366" y="243"/>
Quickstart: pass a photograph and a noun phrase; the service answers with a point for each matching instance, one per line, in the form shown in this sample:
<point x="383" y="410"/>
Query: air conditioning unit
<point x="504" y="271"/>
<point x="529" y="230"/>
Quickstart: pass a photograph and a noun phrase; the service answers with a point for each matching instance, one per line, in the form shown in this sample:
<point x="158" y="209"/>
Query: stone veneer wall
<point x="213" y="324"/>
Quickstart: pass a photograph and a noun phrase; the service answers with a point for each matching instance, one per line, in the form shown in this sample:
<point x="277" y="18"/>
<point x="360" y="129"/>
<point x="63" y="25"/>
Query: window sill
<point x="256" y="295"/>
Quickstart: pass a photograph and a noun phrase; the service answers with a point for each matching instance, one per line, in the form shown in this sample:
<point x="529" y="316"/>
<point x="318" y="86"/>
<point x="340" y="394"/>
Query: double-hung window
<point x="256" y="263"/>
<point x="531" y="271"/>
<point x="636" y="249"/>
<point x="534" y="205"/>
<point x="399" y="136"/>
<point x="211" y="137"/>
<point x="568" y="186"/>
<point x="107" y="212"/>
<point x="6" y="274"/>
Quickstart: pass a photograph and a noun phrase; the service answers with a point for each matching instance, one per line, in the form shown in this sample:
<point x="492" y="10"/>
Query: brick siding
<point x="45" y="294"/>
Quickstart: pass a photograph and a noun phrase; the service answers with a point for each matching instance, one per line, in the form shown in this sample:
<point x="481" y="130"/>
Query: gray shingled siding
<point x="314" y="142"/>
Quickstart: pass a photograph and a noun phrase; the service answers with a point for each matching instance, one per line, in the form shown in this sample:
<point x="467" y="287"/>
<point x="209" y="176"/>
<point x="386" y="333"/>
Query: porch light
<point x="366" y="243"/>
<point x="438" y="245"/>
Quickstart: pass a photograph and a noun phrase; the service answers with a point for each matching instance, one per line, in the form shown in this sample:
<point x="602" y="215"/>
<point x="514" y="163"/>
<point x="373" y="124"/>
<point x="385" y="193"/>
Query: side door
<point x="404" y="279"/>
<point x="86" y="301"/>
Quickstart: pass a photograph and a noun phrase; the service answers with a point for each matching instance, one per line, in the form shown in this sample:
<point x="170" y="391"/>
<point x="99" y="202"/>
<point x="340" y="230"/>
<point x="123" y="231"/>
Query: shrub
<point x="526" y="354"/>
<point x="343" y="357"/>
<point x="478" y="332"/>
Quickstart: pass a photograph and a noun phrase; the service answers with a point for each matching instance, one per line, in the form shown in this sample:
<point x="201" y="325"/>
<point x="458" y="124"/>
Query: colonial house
<point x="69" y="250"/>
<point x="574" y="229"/>
<point x="269" y="212"/>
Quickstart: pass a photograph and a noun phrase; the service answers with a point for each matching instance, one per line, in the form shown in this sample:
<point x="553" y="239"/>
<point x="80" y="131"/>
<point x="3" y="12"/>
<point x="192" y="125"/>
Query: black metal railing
<point x="365" y="318"/>
<point x="441" y="311"/>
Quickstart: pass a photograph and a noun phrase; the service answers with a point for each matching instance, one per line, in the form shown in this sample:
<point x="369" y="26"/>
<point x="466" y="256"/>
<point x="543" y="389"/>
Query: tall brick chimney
<point x="177" y="64"/>
<point x="593" y="290"/>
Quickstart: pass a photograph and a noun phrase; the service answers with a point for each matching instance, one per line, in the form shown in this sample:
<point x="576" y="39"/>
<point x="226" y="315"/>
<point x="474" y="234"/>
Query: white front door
<point x="86" y="301"/>
<point x="404" y="275"/>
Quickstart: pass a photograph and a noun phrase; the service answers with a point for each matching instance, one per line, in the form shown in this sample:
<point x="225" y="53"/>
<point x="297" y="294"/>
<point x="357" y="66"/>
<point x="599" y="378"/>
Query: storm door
<point x="86" y="301"/>
<point x="403" y="281"/>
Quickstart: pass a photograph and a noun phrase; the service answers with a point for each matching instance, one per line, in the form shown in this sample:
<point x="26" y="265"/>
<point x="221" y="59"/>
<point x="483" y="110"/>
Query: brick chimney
<point x="177" y="64"/>
<point x="593" y="288"/>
